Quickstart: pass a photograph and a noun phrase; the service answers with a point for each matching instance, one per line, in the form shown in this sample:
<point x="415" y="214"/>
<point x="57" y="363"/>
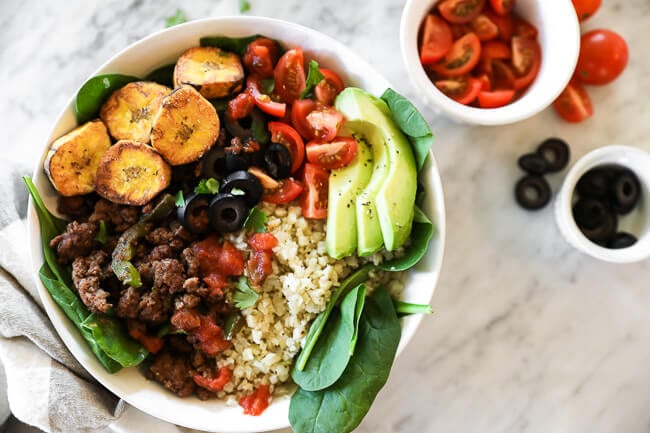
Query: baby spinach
<point x="226" y="43"/>
<point x="163" y="75"/>
<point x="341" y="407"/>
<point x="421" y="233"/>
<point x="314" y="76"/>
<point x="113" y="339"/>
<point x="94" y="92"/>
<point x="361" y="300"/>
<point x="412" y="124"/>
<point x="406" y="308"/>
<point x="332" y="351"/>
<point x="176" y="19"/>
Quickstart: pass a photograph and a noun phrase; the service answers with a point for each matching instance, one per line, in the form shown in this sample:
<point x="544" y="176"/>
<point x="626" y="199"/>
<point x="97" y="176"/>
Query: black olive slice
<point x="625" y="191"/>
<point x="246" y="182"/>
<point x="278" y="161"/>
<point x="228" y="212"/>
<point x="213" y="163"/>
<point x="253" y="125"/>
<point x="556" y="152"/>
<point x="595" y="183"/>
<point x="194" y="214"/>
<point x="590" y="213"/>
<point x="532" y="192"/>
<point x="533" y="163"/>
<point x="621" y="240"/>
<point x="237" y="161"/>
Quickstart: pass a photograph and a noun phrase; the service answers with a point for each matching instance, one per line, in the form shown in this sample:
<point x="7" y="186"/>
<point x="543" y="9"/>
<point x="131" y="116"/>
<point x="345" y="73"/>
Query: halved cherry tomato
<point x="240" y="106"/>
<point x="603" y="57"/>
<point x="484" y="28"/>
<point x="299" y="111"/>
<point x="334" y="154"/>
<point x="501" y="75"/>
<point x="460" y="30"/>
<point x="586" y="8"/>
<point x="526" y="59"/>
<point x="264" y="102"/>
<point x="485" y="82"/>
<point x="436" y="39"/>
<point x="288" y="137"/>
<point x="504" y="23"/>
<point x="495" y="50"/>
<point x="494" y="99"/>
<point x="524" y="28"/>
<point x="463" y="90"/>
<point x="329" y="87"/>
<point x="289" y="75"/>
<point x="502" y="7"/>
<point x="260" y="57"/>
<point x="325" y="121"/>
<point x="574" y="104"/>
<point x="314" y="196"/>
<point x="463" y="55"/>
<point x="460" y="11"/>
<point x="288" y="190"/>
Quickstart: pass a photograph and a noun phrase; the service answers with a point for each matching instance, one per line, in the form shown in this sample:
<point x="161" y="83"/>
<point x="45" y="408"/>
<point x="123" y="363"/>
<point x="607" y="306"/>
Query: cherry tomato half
<point x="502" y="7"/>
<point x="314" y="197"/>
<point x="574" y="104"/>
<point x="329" y="87"/>
<point x="264" y="102"/>
<point x="504" y="23"/>
<point x="524" y="28"/>
<point x="240" y="106"/>
<point x="526" y="59"/>
<point x="288" y="190"/>
<point x="495" y="50"/>
<point x="463" y="55"/>
<point x="463" y="90"/>
<point x="288" y="137"/>
<point x="501" y="75"/>
<point x="260" y="57"/>
<point x="494" y="99"/>
<point x="603" y="56"/>
<point x="484" y="28"/>
<point x="586" y="8"/>
<point x="436" y="39"/>
<point x="289" y="75"/>
<point x="314" y="120"/>
<point x="460" y="11"/>
<point x="334" y="154"/>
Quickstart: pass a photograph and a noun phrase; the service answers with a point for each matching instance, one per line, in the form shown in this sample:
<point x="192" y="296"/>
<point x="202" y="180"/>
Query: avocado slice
<point x="345" y="184"/>
<point x="393" y="191"/>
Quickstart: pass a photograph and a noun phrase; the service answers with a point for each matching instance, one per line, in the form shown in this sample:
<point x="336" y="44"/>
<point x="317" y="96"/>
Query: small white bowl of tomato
<point x="490" y="62"/>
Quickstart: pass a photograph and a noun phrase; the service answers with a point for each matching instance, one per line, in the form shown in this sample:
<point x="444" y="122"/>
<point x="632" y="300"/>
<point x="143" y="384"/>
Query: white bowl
<point x="163" y="48"/>
<point x="559" y="37"/>
<point x="637" y="222"/>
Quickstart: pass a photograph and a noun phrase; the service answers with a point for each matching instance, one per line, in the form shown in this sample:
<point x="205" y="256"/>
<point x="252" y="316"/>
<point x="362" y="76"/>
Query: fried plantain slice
<point x="213" y="72"/>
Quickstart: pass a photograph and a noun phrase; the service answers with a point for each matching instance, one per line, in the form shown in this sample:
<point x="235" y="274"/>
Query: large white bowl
<point x="559" y="37"/>
<point x="163" y="48"/>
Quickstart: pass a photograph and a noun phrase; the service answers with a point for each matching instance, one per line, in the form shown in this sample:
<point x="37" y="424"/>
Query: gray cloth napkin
<point x="45" y="386"/>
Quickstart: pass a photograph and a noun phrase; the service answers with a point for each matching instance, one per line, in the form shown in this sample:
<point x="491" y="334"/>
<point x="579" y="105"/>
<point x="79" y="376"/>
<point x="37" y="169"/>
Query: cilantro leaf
<point x="179" y="199"/>
<point x="207" y="186"/>
<point x="176" y="19"/>
<point x="256" y="221"/>
<point x="314" y="76"/>
<point x="102" y="234"/>
<point x="244" y="296"/>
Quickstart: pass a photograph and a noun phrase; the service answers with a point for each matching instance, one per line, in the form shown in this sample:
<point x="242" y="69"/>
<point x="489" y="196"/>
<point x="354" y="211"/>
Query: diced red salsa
<point x="256" y="402"/>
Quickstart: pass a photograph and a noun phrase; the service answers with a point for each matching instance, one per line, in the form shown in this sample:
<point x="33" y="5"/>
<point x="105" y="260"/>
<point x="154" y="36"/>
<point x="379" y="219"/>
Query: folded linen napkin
<point x="45" y="386"/>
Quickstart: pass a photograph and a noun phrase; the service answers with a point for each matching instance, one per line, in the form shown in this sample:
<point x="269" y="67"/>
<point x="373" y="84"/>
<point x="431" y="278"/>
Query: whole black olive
<point x="228" y="212"/>
<point x="246" y="182"/>
<point x="193" y="215"/>
<point x="533" y="163"/>
<point x="213" y="163"/>
<point x="532" y="192"/>
<point x="595" y="183"/>
<point x="278" y="161"/>
<point x="621" y="240"/>
<point x="625" y="191"/>
<point x="556" y="152"/>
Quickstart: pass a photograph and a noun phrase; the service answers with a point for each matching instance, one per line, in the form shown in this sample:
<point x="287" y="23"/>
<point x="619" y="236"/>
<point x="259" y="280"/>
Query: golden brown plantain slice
<point x="129" y="111"/>
<point x="71" y="163"/>
<point x="215" y="73"/>
<point x="186" y="126"/>
<point x="132" y="173"/>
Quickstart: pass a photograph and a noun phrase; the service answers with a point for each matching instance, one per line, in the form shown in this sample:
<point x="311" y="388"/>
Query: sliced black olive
<point x="532" y="192"/>
<point x="213" y="163"/>
<point x="253" y="125"/>
<point x="595" y="183"/>
<point x="278" y="161"/>
<point x="228" y="212"/>
<point x="625" y="191"/>
<point x="596" y="221"/>
<point x="533" y="163"/>
<point x="556" y="152"/>
<point x="237" y="161"/>
<point x="246" y="182"/>
<point x="621" y="240"/>
<point x="194" y="214"/>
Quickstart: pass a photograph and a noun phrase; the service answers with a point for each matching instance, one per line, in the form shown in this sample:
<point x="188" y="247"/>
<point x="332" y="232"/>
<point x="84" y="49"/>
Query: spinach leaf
<point x="163" y="75"/>
<point x="314" y="76"/>
<point x="112" y="337"/>
<point x="421" y="234"/>
<point x="176" y="19"/>
<point x="256" y="221"/>
<point x="332" y="352"/>
<point x="207" y="186"/>
<point x="406" y="308"/>
<point x="235" y="45"/>
<point x="244" y="6"/>
<point x="341" y="407"/>
<point x="412" y="124"/>
<point x="361" y="300"/>
<point x="357" y="277"/>
<point x="244" y="297"/>
<point x="94" y="92"/>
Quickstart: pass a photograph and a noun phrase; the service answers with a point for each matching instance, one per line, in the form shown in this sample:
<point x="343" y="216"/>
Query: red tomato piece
<point x="333" y="154"/>
<point x="504" y="23"/>
<point x="207" y="252"/>
<point x="260" y="266"/>
<point x="524" y="28"/>
<point x="436" y="39"/>
<point x="502" y="7"/>
<point x="495" y="50"/>
<point x="314" y="197"/>
<point x="287" y="190"/>
<point x="285" y="135"/>
<point x="526" y="60"/>
<point x="152" y="343"/>
<point x="262" y="241"/>
<point x="463" y="90"/>
<point x="497" y="98"/>
<point x="289" y="75"/>
<point x="299" y="111"/>
<point x="240" y="106"/>
<point x="325" y="121"/>
<point x="603" y="57"/>
<point x="329" y="87"/>
<point x="214" y="384"/>
<point x="501" y="75"/>
<point x="260" y="57"/>
<point x="210" y="337"/>
<point x="460" y="30"/>
<point x="574" y="104"/>
<point x="461" y="58"/>
<point x="586" y="8"/>
<point x="460" y="11"/>
<point x="230" y="261"/>
<point x="263" y="101"/>
<point x="484" y="28"/>
<point x="256" y="402"/>
<point x="216" y="283"/>
<point x="485" y="82"/>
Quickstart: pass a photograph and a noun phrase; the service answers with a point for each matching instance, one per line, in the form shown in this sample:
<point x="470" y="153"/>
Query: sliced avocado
<point x="395" y="196"/>
<point x="345" y="184"/>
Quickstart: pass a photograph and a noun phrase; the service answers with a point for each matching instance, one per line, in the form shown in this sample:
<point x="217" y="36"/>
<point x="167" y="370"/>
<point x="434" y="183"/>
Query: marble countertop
<point x="529" y="334"/>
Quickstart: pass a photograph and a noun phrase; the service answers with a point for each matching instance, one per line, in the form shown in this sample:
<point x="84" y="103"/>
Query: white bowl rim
<point x="275" y="417"/>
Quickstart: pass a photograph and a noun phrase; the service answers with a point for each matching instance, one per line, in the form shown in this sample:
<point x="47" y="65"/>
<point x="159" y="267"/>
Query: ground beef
<point x="87" y="275"/>
<point x="145" y="269"/>
<point x="153" y="307"/>
<point x="195" y="286"/>
<point x="129" y="303"/>
<point x="160" y="252"/>
<point x="186" y="300"/>
<point x="168" y="275"/>
<point x="191" y="262"/>
<point x="173" y="373"/>
<point x="186" y="319"/>
<point x="121" y="217"/>
<point x="76" y="241"/>
<point x="179" y="344"/>
<point x="78" y="207"/>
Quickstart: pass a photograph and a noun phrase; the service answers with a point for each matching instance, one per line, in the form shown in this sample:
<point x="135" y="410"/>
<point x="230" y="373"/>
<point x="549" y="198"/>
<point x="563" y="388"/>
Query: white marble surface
<point x="529" y="335"/>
